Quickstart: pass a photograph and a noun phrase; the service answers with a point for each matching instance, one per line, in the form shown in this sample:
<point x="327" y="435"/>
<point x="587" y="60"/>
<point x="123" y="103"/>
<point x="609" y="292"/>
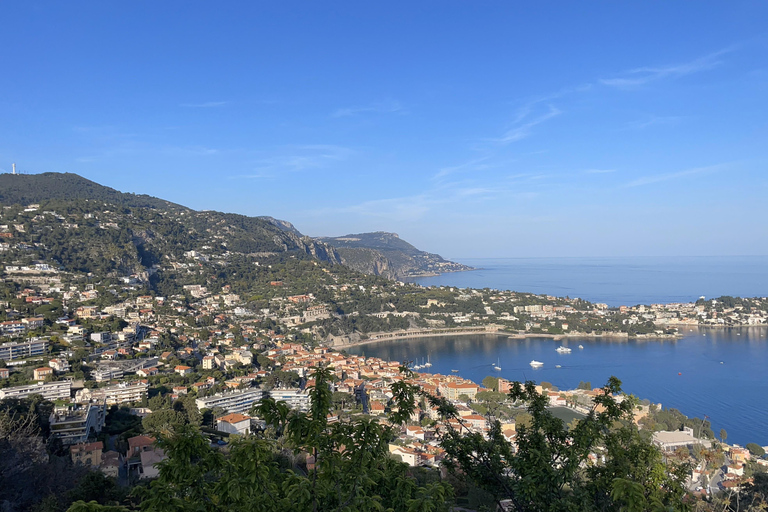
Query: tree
<point x="491" y="383"/>
<point x="340" y="399"/>
<point x="723" y="435"/>
<point x="163" y="421"/>
<point x="551" y="470"/>
<point x="755" y="449"/>
<point x="349" y="467"/>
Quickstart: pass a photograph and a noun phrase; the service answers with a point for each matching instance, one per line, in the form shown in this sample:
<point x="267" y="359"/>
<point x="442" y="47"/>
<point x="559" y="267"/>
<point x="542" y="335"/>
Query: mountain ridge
<point x="377" y="253"/>
<point x="385" y="253"/>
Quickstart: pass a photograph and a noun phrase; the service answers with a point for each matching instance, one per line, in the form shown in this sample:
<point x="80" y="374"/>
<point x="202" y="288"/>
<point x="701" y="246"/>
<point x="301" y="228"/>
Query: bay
<point x="616" y="281"/>
<point x="715" y="372"/>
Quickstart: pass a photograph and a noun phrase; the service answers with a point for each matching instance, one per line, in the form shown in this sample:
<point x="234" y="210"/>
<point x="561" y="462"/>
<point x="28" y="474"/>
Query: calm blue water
<point x="617" y="281"/>
<point x="733" y="394"/>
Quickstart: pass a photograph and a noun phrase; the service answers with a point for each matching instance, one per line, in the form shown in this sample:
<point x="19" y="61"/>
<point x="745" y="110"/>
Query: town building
<point x="23" y="349"/>
<point x="107" y="373"/>
<point x="669" y="440"/>
<point x="49" y="391"/>
<point x="76" y="423"/>
<point x="293" y="397"/>
<point x="88" y="454"/>
<point x="234" y="401"/>
<point x="122" y="393"/>
<point x="42" y="373"/>
<point x="453" y="390"/>
<point x="60" y="365"/>
<point x="234" y="423"/>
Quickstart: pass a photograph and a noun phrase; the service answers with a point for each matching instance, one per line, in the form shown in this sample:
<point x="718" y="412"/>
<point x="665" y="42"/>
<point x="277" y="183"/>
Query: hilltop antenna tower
<point x="14" y="168"/>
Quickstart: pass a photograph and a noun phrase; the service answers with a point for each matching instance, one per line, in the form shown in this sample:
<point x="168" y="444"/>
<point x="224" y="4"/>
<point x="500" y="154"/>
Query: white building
<point x="669" y="440"/>
<point x="234" y="424"/>
<point x="105" y="374"/>
<point x="293" y="397"/>
<point x="20" y="350"/>
<point x="235" y="401"/>
<point x="76" y="423"/>
<point x="50" y="391"/>
<point x="60" y="365"/>
<point x="122" y="393"/>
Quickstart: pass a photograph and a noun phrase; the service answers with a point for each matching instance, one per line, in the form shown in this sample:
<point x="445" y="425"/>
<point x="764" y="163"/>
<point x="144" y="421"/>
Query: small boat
<point x="455" y="371"/>
<point x="497" y="366"/>
<point x="427" y="364"/>
<point x="558" y="366"/>
<point x="581" y="347"/>
<point x="536" y="364"/>
<point x="563" y="350"/>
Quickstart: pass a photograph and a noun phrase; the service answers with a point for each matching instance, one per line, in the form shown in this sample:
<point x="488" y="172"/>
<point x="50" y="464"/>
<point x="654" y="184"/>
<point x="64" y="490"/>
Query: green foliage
<point x="672" y="419"/>
<point x="348" y="469"/>
<point x="491" y="383"/>
<point x="755" y="449"/>
<point x="94" y="506"/>
<point x="280" y="378"/>
<point x="550" y="469"/>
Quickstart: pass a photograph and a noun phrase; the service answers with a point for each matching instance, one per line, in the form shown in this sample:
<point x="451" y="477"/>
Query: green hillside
<point x="382" y="253"/>
<point x="33" y="188"/>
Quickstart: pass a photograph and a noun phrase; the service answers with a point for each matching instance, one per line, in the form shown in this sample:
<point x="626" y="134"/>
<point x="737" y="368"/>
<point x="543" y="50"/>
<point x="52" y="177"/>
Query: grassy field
<point x="565" y="414"/>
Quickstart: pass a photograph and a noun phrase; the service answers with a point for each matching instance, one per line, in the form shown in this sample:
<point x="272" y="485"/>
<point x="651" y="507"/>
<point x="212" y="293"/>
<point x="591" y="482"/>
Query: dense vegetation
<point x="303" y="462"/>
<point x="34" y="188"/>
<point x="386" y="254"/>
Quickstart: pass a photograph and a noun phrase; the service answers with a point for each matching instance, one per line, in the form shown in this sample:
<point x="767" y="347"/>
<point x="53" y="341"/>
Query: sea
<point x="616" y="281"/>
<point x="720" y="374"/>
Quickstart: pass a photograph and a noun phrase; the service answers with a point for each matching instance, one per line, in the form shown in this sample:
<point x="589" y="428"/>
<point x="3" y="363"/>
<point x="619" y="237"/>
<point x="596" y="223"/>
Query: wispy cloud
<point x="653" y="121"/>
<point x="527" y="117"/>
<point x="599" y="171"/>
<point x="207" y="104"/>
<point x="299" y="158"/>
<point x="255" y="176"/>
<point x="416" y="206"/>
<point x="379" y="107"/>
<point x="473" y="165"/>
<point x="658" y="178"/>
<point x="642" y="76"/>
<point x="190" y="151"/>
<point x="394" y="209"/>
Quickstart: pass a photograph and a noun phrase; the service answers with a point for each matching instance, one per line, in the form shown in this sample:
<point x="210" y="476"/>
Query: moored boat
<point x="536" y="364"/>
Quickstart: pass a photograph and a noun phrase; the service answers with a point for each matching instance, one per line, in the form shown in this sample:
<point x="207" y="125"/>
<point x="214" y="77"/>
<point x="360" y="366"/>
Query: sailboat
<point x="427" y="364"/>
<point x="497" y="366"/>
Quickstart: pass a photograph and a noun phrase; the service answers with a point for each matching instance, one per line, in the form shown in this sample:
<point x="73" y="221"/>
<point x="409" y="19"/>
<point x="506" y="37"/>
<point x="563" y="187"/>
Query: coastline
<point x="469" y="331"/>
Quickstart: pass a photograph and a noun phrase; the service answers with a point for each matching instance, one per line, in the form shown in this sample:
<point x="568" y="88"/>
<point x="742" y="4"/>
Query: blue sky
<point x="470" y="128"/>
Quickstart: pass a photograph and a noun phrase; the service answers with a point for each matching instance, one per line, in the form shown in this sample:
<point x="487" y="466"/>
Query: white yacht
<point x="536" y="364"/>
<point x="497" y="366"/>
<point x="427" y="364"/>
<point x="563" y="350"/>
<point x="581" y="347"/>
